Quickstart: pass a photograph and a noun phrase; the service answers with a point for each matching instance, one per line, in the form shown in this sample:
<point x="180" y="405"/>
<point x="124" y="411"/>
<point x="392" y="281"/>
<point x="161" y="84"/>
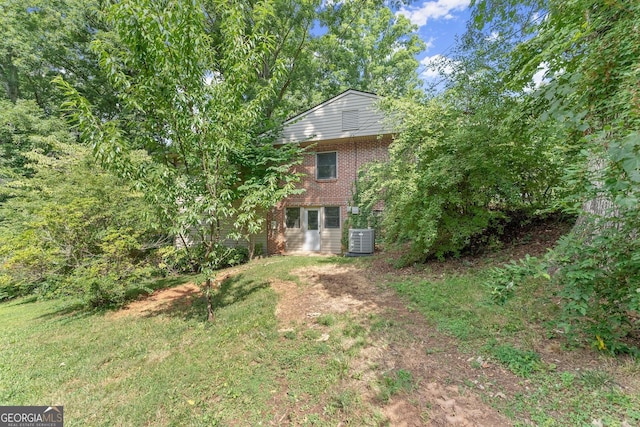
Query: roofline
<point x="329" y="101"/>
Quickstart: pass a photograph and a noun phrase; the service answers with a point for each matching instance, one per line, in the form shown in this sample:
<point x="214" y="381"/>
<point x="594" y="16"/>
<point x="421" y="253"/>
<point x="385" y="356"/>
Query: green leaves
<point x="626" y="153"/>
<point x="591" y="50"/>
<point x="193" y="102"/>
<point x="454" y="174"/>
<point x="72" y="224"/>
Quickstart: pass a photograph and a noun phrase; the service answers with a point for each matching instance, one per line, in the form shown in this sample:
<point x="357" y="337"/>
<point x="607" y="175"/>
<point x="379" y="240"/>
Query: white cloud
<point x="535" y="17"/>
<point x="429" y="44"/>
<point x="538" y="77"/>
<point x="438" y="9"/>
<point x="494" y="36"/>
<point x="437" y="65"/>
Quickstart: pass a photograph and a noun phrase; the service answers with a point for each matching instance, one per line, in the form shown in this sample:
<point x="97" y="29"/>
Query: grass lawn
<point x="546" y="383"/>
<point x="174" y="368"/>
<point x="251" y="367"/>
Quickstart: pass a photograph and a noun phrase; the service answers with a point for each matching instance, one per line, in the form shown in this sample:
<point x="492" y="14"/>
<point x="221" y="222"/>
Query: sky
<point x="439" y="22"/>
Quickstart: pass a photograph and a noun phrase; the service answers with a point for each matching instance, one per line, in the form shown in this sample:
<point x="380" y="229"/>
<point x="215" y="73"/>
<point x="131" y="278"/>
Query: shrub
<point x="73" y="229"/>
<point x="503" y="281"/>
<point x="452" y="176"/>
<point x="600" y="277"/>
<point x="178" y="260"/>
<point x="185" y="260"/>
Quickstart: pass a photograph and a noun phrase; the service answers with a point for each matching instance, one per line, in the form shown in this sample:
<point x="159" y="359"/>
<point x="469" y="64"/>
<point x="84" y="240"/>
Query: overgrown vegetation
<point x="463" y="163"/>
<point x="599" y="263"/>
<point x="522" y="336"/>
<point x="596" y="282"/>
<point x="67" y="227"/>
<point x="495" y="143"/>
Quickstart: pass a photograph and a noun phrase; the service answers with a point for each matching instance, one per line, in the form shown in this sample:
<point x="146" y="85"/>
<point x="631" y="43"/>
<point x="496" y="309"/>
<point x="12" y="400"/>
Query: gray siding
<point x="331" y="240"/>
<point x="259" y="239"/>
<point x="294" y="238"/>
<point x="354" y="111"/>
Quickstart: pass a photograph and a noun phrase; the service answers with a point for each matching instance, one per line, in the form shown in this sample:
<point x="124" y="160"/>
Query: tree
<point x="368" y="47"/>
<point x="591" y="50"/>
<point x="73" y="229"/>
<point x="196" y="100"/>
<point x="468" y="159"/>
<point x="328" y="47"/>
<point x="23" y="128"/>
<point x="44" y="39"/>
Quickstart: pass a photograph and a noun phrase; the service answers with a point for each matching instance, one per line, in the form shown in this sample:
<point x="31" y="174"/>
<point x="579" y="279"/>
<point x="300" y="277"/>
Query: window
<point x="292" y="217"/>
<point x="326" y="165"/>
<point x="332" y="217"/>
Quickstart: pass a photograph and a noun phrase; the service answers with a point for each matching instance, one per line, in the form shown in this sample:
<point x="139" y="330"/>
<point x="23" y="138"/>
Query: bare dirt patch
<point x="177" y="298"/>
<point x="449" y="383"/>
<point x="327" y="289"/>
<point x="159" y="301"/>
<point x="437" y="398"/>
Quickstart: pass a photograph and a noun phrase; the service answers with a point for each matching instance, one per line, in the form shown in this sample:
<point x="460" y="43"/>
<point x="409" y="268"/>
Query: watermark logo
<point x="31" y="416"/>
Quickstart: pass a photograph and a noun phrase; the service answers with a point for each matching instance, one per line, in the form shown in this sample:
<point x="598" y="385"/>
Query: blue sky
<point x="438" y="21"/>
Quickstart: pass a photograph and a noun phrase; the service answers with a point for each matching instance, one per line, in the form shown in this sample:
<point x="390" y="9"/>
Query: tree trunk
<point x="10" y="72"/>
<point x="208" y="291"/>
<point x="599" y="211"/>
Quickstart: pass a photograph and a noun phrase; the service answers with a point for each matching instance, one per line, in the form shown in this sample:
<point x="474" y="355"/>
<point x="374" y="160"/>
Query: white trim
<point x="316" y="165"/>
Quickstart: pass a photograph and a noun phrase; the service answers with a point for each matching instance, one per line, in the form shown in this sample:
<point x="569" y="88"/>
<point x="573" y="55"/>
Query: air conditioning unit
<point x="361" y="241"/>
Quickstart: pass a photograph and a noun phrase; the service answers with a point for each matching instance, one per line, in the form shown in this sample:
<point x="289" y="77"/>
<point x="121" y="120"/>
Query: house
<point x="342" y="134"/>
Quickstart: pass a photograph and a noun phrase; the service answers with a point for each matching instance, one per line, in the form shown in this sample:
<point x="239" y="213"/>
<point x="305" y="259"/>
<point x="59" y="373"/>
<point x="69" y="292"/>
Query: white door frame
<point x="312" y="229"/>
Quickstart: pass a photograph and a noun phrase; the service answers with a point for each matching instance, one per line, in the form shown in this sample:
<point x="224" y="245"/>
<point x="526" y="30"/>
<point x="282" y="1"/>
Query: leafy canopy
<point x="591" y="51"/>
<point x="72" y="228"/>
<point x="188" y="80"/>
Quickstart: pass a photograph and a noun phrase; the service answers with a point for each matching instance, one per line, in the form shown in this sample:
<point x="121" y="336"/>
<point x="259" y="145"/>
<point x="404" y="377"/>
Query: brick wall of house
<point x="352" y="154"/>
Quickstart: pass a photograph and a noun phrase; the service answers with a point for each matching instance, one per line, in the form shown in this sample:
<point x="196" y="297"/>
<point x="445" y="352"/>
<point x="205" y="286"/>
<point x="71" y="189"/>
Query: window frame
<point x="326" y="217"/>
<point x="296" y="221"/>
<point x="335" y="153"/>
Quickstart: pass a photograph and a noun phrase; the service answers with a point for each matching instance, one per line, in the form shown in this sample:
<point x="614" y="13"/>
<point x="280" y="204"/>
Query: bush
<point x="184" y="260"/>
<point x="73" y="229"/>
<point x="600" y="277"/>
<point x="223" y="256"/>
<point x="179" y="260"/>
<point x="599" y="263"/>
<point x="99" y="288"/>
<point x="452" y="175"/>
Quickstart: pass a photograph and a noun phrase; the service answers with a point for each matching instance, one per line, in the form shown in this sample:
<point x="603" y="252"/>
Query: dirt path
<point x="437" y="400"/>
<point x="449" y="381"/>
<point x="437" y="367"/>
